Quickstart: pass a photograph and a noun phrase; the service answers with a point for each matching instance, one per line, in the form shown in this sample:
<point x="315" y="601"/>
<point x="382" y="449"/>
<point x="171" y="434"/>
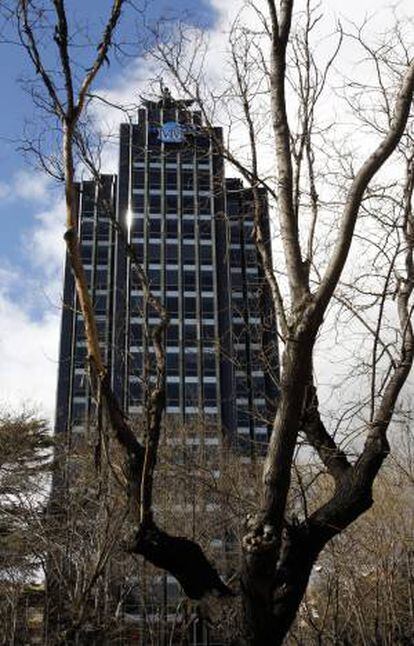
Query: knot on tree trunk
<point x="69" y="235"/>
<point x="260" y="538"/>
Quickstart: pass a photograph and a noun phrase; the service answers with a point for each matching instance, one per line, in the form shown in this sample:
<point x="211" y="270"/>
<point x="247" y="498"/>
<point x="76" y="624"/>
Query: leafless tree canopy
<point x="328" y="203"/>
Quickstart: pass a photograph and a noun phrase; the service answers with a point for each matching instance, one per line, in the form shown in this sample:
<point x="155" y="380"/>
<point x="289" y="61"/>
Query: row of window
<point x="189" y="306"/>
<point x="171" y="228"/>
<point x="171" y="277"/>
<point x="100" y="254"/>
<point x="187" y="155"/>
<point x="172" y="253"/>
<point x="190" y="392"/>
<point x="101" y="231"/>
<point x="187" y="179"/>
<point x="191" y="395"/>
<point x="188" y="204"/>
<point x="99" y="277"/>
<point x="192" y="363"/>
<point x="189" y="253"/>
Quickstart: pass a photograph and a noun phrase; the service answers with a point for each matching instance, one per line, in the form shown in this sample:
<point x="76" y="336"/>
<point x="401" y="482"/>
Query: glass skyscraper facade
<point x="191" y="230"/>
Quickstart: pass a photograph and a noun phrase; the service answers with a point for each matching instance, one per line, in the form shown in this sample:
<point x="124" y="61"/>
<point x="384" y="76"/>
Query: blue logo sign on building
<point x="171" y="133"/>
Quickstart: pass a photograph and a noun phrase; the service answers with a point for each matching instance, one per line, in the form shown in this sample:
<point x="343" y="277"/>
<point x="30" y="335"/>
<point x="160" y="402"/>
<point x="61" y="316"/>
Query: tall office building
<point x="192" y="231"/>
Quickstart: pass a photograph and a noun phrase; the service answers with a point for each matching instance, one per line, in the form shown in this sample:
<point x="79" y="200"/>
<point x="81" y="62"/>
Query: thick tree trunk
<point x="270" y="611"/>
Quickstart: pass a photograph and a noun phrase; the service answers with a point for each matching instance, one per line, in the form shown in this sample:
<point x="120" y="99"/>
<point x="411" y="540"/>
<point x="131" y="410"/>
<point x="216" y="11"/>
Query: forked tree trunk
<point x="269" y="611"/>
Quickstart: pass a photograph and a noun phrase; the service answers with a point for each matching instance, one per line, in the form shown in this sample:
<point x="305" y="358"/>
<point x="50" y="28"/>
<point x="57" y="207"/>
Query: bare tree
<point x="279" y="547"/>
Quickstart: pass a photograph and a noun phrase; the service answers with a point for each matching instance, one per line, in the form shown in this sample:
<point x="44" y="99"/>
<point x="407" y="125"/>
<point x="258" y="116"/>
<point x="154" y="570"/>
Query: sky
<point x="31" y="213"/>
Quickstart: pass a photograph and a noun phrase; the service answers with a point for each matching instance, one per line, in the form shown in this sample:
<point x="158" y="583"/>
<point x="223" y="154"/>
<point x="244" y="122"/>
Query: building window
<point x="209" y="364"/>
<point x="171" y="204"/>
<point x="87" y="231"/>
<point x="188" y="252"/>
<point x="154" y="156"/>
<point x="100" y="306"/>
<point x="135" y="363"/>
<point x="154" y="276"/>
<point x="139" y="252"/>
<point x="138" y="203"/>
<point x="172" y="306"/>
<point x="102" y="255"/>
<point x="204" y="205"/>
<point x="208" y="307"/>
<point x="80" y="357"/>
<point x="189" y="280"/>
<point x="173" y="365"/>
<point x="188" y="204"/>
<point x="205" y="231"/>
<point x="103" y="230"/>
<point x="209" y="332"/>
<point x="190" y="306"/>
<point x="173" y="394"/>
<point x="101" y="279"/>
<point x="138" y="178"/>
<point x="250" y="256"/>
<point x="137" y="227"/>
<point x="203" y="180"/>
<point x="171" y="278"/>
<point x="136" y="302"/>
<point x="187" y="155"/>
<point x="155" y="227"/>
<point x="78" y="414"/>
<point x="206" y="254"/>
<point x="155" y="178"/>
<point x="236" y="280"/>
<point x="187" y="180"/>
<point x="210" y="394"/>
<point x="171" y="180"/>
<point x="206" y="280"/>
<point x="188" y="228"/>
<point x="135" y="392"/>
<point x="172" y="334"/>
<point x="86" y="252"/>
<point x="190" y="332"/>
<point x="235" y="257"/>
<point x="191" y="394"/>
<point x="136" y="334"/>
<point x="243" y="417"/>
<point x="172" y="228"/>
<point x="155" y="203"/>
<point x="191" y="364"/>
<point x="79" y="384"/>
<point x="171" y="252"/>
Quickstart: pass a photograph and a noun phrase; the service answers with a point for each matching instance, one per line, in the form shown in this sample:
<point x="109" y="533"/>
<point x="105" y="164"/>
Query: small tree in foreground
<point x="25" y="461"/>
<point x="282" y="542"/>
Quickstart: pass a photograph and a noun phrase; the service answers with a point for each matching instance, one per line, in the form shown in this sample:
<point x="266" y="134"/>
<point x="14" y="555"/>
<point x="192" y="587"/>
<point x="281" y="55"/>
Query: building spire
<point x="166" y="98"/>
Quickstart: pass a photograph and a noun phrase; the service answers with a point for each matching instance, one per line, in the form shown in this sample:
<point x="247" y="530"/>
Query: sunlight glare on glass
<point x="129" y="221"/>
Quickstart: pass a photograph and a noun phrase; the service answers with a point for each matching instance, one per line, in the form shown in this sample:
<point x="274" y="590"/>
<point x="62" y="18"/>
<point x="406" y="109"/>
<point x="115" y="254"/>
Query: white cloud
<point x="44" y="242"/>
<point x="28" y="350"/>
<point x="31" y="186"/>
<point x="30" y="317"/>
